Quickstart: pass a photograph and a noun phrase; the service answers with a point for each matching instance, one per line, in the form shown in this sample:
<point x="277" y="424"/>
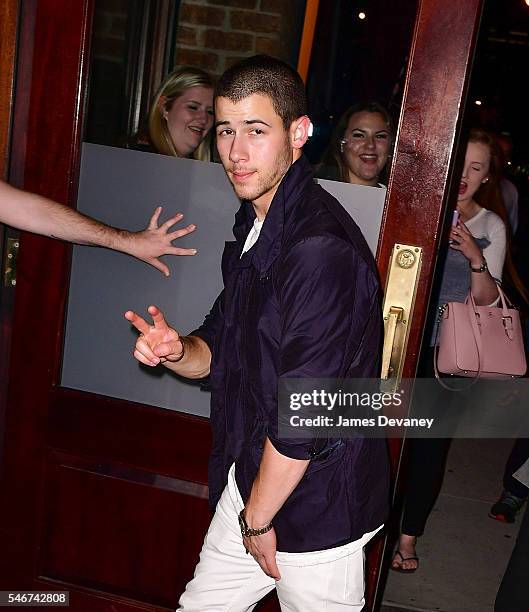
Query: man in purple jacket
<point x="300" y="300"/>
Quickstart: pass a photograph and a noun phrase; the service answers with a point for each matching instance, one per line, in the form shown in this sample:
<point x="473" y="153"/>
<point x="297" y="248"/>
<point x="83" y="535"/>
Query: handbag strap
<point x="474" y="316"/>
<point x="505" y="304"/>
<point x="506" y="317"/>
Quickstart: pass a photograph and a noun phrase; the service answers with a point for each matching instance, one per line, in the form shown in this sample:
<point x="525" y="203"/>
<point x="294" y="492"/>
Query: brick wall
<point x="110" y="23"/>
<point x="213" y="34"/>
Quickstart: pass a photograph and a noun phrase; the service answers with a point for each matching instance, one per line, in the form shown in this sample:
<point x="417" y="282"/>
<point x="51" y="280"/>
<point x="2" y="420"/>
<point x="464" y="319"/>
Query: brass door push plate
<point x="399" y="300"/>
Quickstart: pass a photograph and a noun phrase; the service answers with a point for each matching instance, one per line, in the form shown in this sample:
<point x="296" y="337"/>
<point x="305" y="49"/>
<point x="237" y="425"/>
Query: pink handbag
<point x="480" y="341"/>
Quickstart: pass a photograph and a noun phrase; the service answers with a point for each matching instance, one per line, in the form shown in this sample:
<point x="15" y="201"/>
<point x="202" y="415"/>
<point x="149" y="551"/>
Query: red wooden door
<point x="90" y="503"/>
<point x="106" y="498"/>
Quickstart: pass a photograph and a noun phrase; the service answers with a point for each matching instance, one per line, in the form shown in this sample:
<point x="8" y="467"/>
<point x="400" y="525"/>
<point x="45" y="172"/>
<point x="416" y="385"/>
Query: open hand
<point x="157" y="343"/>
<point x="155" y="241"/>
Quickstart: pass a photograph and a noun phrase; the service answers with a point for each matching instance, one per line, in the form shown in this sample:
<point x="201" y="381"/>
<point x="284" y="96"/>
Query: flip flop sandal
<point x="403" y="570"/>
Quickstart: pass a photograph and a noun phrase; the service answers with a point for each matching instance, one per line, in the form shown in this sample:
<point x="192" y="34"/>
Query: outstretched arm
<point x="33" y="213"/>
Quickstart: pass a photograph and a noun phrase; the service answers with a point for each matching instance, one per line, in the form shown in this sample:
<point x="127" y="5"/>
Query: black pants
<point x="513" y="594"/>
<point x="427" y="461"/>
<point x="518" y="456"/>
<point x="426" y="471"/>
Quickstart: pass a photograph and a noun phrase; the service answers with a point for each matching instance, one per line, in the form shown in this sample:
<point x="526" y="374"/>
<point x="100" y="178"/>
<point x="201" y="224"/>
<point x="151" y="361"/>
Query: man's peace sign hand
<point x="157" y="343"/>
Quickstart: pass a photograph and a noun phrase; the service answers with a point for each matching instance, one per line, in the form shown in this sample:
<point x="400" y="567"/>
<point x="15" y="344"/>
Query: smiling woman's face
<point x="189" y="118"/>
<point x="366" y="147"/>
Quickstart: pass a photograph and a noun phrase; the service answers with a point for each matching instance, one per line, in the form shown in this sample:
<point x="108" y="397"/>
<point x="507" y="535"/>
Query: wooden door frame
<point x="8" y="43"/>
<point x="432" y="109"/>
<point x="34" y="109"/>
<point x="9" y="19"/>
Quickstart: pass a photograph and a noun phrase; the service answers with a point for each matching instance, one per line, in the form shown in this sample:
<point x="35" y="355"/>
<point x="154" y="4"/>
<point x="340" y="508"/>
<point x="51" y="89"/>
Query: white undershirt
<point x="253" y="234"/>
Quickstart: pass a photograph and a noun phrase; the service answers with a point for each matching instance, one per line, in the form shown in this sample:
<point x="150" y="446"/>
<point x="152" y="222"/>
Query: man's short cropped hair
<point x="266" y="75"/>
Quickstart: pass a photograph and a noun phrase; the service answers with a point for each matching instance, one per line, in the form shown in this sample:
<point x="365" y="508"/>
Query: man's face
<point x="254" y="147"/>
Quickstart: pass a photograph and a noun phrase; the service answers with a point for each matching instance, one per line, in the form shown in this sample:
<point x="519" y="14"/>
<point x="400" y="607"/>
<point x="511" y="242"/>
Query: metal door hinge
<point x="10" y="262"/>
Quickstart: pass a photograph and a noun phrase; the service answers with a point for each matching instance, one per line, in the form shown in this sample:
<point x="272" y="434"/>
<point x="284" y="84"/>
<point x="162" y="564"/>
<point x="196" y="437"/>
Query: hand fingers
<point x="265" y="557"/>
<point x="182" y="232"/>
<point x="159" y="265"/>
<point x="157" y="317"/>
<point x="139" y="323"/>
<point x="164" y="349"/>
<point x="273" y="570"/>
<point x="142" y="359"/>
<point x="461" y="226"/>
<point x="262" y="563"/>
<point x="455" y="234"/>
<point x="143" y="353"/>
<point x="180" y="251"/>
<point x="269" y="568"/>
<point x="170" y="222"/>
<point x="153" y="223"/>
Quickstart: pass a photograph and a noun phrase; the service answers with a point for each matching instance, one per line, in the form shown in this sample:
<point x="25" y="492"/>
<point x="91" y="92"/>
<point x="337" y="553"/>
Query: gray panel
<point x="122" y="187"/>
<point x="364" y="204"/>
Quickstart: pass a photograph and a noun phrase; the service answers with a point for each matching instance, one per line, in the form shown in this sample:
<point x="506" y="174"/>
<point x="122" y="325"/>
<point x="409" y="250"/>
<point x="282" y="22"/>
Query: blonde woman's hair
<point x="176" y="83"/>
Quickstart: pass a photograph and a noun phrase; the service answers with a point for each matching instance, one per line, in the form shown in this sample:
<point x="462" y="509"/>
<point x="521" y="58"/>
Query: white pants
<point x="228" y="580"/>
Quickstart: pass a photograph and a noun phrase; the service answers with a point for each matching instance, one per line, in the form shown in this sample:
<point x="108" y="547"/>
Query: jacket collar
<point x="292" y="187"/>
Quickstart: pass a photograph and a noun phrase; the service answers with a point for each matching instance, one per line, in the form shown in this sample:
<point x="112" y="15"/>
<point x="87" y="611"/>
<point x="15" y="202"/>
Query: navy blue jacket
<point x="303" y="302"/>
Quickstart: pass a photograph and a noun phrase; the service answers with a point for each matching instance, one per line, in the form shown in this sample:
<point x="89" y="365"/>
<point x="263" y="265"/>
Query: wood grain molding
<point x="8" y="41"/>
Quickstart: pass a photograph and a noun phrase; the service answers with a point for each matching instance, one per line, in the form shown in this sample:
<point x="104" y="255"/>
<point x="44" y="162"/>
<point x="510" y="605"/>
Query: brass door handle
<point x="394" y="317"/>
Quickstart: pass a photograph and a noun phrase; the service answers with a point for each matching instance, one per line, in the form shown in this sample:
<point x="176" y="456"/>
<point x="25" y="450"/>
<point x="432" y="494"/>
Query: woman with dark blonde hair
<point x="181" y="115"/>
<point x="360" y="147"/>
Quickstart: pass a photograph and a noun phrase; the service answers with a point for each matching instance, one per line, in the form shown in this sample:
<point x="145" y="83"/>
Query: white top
<point x="487" y="226"/>
<point x="253" y="234"/>
<point x="489" y="232"/>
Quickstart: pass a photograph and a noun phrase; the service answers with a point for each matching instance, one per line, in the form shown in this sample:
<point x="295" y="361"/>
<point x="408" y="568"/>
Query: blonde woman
<point x="181" y="115"/>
